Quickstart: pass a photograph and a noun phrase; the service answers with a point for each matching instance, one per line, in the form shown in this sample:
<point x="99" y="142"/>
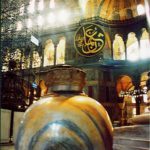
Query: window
<point x="132" y="47"/>
<point x="118" y="48"/>
<point x="144" y="45"/>
<point x="60" y="52"/>
<point x="49" y="53"/>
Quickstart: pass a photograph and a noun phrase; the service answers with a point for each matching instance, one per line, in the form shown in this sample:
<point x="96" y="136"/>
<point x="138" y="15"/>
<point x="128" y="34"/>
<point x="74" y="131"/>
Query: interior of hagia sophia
<point x="108" y="39"/>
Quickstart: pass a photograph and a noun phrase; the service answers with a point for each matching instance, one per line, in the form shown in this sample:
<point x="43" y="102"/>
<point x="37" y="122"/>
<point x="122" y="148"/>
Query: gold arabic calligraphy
<point x="91" y="40"/>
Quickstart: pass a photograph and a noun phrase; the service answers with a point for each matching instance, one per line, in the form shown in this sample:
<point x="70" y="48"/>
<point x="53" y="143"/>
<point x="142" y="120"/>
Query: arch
<point x="132" y="47"/>
<point x="48" y="53"/>
<point x="144" y="45"/>
<point x="118" y="48"/>
<point x="60" y="55"/>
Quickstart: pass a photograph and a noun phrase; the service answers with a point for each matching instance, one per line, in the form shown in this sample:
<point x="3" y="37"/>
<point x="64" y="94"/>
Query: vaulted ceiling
<point x="106" y="9"/>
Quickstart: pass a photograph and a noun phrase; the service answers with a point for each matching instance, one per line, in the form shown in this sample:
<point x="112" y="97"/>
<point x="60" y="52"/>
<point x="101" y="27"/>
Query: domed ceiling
<point x="109" y="10"/>
<point x="106" y="9"/>
<point x="66" y="12"/>
<point x="114" y="9"/>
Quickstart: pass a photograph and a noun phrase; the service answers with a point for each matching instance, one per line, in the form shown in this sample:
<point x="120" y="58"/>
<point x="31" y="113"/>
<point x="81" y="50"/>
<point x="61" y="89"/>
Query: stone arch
<point x="132" y="47"/>
<point x="118" y="48"/>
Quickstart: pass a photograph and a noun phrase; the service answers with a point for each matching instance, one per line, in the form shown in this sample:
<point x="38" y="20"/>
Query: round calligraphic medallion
<point x="89" y="40"/>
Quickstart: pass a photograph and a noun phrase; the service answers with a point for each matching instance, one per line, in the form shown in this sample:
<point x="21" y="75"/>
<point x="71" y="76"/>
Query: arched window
<point x="132" y="47"/>
<point x="118" y="48"/>
<point x="36" y="60"/>
<point x="60" y="55"/>
<point x="49" y="53"/>
<point x="144" y="45"/>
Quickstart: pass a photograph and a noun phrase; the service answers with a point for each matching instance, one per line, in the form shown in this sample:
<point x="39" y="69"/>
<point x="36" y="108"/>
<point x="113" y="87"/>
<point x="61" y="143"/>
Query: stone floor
<point x="135" y="137"/>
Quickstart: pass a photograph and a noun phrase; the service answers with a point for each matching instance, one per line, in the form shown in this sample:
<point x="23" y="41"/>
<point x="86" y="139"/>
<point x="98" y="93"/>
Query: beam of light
<point x="51" y="18"/>
<point x="144" y="48"/>
<point x="82" y="4"/>
<point x="29" y="23"/>
<point x="21" y="10"/>
<point x="31" y="6"/>
<point x="40" y="20"/>
<point x="52" y="4"/>
<point x="41" y="5"/>
<point x="63" y="16"/>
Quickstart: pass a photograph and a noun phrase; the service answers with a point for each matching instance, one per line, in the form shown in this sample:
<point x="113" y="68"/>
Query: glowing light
<point x="35" y="41"/>
<point x="140" y="9"/>
<point x="41" y="5"/>
<point x="133" y="52"/>
<point x="144" y="45"/>
<point x="31" y="6"/>
<point x="133" y="100"/>
<point x="147" y="9"/>
<point x="40" y="20"/>
<point x="132" y="47"/>
<point x="52" y="4"/>
<point x="82" y="4"/>
<point x="134" y="111"/>
<point x="144" y="49"/>
<point x="55" y="127"/>
<point x="29" y="23"/>
<point x="63" y="16"/>
<point x="22" y="10"/>
<point x="145" y="98"/>
<point x="51" y="18"/>
<point x="19" y="25"/>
